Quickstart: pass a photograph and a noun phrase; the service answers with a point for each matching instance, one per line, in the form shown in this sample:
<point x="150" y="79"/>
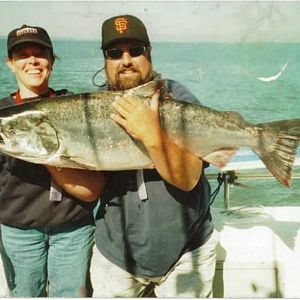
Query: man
<point x="154" y="230"/>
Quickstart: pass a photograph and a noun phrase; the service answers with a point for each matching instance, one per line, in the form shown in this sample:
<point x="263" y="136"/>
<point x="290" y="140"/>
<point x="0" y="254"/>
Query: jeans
<point x="191" y="277"/>
<point x="52" y="263"/>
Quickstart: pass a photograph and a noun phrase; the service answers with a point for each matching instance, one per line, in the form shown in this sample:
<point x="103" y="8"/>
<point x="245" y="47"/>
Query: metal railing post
<point x="226" y="192"/>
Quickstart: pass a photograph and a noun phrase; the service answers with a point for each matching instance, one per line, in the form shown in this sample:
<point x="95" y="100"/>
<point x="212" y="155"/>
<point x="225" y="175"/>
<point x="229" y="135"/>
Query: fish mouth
<point x="2" y="140"/>
<point x="5" y="144"/>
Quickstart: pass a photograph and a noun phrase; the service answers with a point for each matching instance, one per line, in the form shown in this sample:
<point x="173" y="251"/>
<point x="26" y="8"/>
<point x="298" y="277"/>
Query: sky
<point x="170" y="21"/>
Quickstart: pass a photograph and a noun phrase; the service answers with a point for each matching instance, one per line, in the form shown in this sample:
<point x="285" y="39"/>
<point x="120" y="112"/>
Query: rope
<point x="213" y="196"/>
<point x="94" y="76"/>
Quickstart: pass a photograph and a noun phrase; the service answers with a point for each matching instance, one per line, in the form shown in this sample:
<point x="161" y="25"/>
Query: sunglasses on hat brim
<point x="117" y="53"/>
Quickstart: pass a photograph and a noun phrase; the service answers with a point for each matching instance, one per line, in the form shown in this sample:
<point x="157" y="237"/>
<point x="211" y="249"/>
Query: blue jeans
<point x="52" y="263"/>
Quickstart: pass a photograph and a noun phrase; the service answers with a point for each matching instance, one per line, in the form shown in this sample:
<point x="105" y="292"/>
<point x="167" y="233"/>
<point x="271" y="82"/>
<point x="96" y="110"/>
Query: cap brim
<point x="39" y="42"/>
<point x="103" y="47"/>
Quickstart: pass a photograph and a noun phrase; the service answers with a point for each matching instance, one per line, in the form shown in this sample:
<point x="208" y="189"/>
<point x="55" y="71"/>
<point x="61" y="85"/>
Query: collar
<point x="16" y="96"/>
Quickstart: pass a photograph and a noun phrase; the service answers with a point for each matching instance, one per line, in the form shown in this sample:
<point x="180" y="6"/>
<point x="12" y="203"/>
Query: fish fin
<point x="280" y="160"/>
<point x="221" y="157"/>
<point x="145" y="90"/>
<point x="290" y="127"/>
<point x="234" y="116"/>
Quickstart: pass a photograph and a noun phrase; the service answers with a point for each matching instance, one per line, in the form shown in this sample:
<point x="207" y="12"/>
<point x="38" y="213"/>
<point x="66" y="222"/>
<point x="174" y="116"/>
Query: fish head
<point x="27" y="135"/>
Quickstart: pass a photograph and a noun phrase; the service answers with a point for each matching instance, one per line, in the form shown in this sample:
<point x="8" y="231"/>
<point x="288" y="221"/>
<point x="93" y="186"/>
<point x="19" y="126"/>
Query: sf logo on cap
<point x="121" y="24"/>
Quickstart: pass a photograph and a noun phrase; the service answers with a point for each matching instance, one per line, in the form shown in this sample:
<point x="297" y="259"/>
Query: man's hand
<point x="142" y="122"/>
<point x="139" y="120"/>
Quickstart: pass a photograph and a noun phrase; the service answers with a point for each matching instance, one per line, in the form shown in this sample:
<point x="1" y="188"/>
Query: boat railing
<point x="233" y="172"/>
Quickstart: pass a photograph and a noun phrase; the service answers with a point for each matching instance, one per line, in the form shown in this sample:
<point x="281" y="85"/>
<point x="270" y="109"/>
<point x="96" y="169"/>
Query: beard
<point x="125" y="83"/>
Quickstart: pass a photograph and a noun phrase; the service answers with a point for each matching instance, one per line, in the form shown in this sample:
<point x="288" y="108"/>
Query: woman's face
<point x="32" y="65"/>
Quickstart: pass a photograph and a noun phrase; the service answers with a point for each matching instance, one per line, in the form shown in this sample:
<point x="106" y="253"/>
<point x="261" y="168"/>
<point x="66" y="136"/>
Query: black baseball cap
<point x="28" y="34"/>
<point x="123" y="27"/>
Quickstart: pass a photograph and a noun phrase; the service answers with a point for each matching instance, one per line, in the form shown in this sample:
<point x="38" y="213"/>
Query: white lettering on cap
<point x="26" y="30"/>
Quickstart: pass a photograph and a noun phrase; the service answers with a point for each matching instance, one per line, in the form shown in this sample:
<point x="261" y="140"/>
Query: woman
<point x="46" y="213"/>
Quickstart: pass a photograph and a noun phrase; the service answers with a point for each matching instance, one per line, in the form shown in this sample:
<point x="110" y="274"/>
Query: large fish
<point x="76" y="131"/>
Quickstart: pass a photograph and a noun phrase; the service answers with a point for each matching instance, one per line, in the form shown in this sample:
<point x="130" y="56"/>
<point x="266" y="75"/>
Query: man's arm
<point x="85" y="185"/>
<point x="176" y="165"/>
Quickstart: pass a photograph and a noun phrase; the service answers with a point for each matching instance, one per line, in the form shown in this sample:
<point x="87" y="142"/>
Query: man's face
<point x="128" y="68"/>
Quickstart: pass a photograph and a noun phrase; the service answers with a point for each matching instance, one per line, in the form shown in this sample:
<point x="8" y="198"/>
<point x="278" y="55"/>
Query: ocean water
<point x="222" y="76"/>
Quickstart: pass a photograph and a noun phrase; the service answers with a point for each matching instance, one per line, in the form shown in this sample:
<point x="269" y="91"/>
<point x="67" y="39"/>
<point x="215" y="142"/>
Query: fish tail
<point x="280" y="159"/>
<point x="290" y="127"/>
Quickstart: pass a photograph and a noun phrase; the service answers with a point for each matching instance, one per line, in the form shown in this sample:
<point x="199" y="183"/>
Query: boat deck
<point x="258" y="254"/>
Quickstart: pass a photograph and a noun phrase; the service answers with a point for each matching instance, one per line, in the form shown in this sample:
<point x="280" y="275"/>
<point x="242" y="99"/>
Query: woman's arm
<point x="85" y="185"/>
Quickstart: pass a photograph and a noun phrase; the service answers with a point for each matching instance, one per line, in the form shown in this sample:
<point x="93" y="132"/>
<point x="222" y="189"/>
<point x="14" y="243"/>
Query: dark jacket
<point x="25" y="190"/>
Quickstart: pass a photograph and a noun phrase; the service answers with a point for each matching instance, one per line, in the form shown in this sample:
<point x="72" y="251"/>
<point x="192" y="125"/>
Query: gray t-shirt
<point x="147" y="236"/>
